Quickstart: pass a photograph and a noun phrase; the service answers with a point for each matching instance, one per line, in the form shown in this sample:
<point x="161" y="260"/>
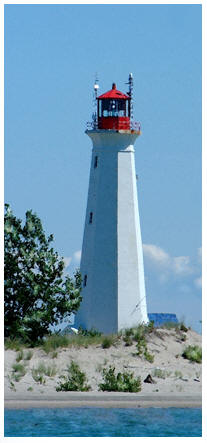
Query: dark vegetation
<point x="121" y="382"/>
<point x="139" y="335"/>
<point x="193" y="353"/>
<point x="37" y="296"/>
<point x="75" y="380"/>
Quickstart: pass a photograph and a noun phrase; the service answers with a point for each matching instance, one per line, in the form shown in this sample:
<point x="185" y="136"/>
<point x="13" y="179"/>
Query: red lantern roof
<point x="114" y="93"/>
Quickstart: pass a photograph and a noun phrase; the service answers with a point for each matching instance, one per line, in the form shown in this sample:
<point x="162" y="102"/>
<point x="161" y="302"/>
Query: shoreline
<point x="175" y="381"/>
<point x="105" y="400"/>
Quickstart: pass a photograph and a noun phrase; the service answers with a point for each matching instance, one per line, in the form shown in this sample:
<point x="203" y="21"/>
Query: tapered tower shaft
<point x="112" y="259"/>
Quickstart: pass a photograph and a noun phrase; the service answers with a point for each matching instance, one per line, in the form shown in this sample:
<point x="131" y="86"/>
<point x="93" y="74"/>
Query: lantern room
<point x="113" y="110"/>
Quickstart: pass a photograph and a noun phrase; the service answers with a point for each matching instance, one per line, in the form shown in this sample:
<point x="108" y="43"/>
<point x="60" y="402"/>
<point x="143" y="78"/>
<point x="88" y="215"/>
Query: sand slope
<point x="182" y="377"/>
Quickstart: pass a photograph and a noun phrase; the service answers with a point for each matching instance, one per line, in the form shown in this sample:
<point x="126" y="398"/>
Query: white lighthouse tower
<point x="112" y="258"/>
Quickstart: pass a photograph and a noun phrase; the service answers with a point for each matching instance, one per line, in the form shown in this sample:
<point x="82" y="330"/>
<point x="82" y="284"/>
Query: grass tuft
<point x="19" y="371"/>
<point x="28" y="355"/>
<point x="108" y="341"/>
<point x="178" y="374"/>
<point x="39" y="372"/>
<point x="54" y="341"/>
<point x="20" y="356"/>
<point x="13" y="344"/>
<point x="161" y="373"/>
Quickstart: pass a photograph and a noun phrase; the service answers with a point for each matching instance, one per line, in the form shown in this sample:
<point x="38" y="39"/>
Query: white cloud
<point x="167" y="264"/>
<point x="156" y="254"/>
<point x="67" y="261"/>
<point x="77" y="256"/>
<point x="198" y="282"/>
<point x="181" y="265"/>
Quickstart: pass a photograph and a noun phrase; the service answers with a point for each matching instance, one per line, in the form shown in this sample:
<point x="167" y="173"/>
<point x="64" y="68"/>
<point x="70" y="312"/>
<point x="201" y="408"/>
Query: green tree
<point x="37" y="295"/>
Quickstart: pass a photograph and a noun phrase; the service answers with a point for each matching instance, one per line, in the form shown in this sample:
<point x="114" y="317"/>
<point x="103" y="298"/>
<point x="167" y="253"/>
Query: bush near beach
<point x="193" y="353"/>
<point x="122" y="382"/>
<point x="75" y="380"/>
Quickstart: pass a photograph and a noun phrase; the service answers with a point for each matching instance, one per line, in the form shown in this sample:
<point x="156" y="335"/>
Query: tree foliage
<point x="37" y="295"/>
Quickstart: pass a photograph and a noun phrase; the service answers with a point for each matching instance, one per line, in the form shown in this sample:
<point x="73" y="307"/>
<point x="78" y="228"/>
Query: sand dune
<point x="180" y="383"/>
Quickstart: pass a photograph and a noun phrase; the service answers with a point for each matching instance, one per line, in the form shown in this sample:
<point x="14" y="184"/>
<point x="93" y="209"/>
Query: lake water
<point x="101" y="422"/>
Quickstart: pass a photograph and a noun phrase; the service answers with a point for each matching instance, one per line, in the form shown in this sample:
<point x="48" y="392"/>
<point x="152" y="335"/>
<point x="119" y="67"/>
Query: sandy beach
<point x="177" y="381"/>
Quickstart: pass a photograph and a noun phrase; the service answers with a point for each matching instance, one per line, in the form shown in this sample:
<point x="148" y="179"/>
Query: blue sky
<point x="52" y="53"/>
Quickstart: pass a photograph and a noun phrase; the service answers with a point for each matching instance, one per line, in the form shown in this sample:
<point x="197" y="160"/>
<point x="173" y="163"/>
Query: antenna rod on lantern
<point x="95" y="88"/>
<point x="130" y="93"/>
<point x="131" y="84"/>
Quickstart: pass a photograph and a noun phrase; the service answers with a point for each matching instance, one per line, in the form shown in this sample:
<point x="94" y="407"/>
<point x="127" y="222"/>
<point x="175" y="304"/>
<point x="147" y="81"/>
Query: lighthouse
<point x="112" y="269"/>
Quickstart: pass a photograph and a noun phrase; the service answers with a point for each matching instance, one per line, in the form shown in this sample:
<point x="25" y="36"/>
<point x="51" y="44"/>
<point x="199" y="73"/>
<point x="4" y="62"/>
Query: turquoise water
<point x="101" y="422"/>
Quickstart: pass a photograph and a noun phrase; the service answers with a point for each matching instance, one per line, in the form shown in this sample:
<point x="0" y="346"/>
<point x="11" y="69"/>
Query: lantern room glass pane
<point x="113" y="108"/>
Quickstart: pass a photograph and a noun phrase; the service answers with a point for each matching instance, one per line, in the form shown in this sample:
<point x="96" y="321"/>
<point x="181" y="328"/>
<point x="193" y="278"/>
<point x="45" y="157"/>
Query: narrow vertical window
<point x="85" y="280"/>
<point x="96" y="161"/>
<point x="91" y="217"/>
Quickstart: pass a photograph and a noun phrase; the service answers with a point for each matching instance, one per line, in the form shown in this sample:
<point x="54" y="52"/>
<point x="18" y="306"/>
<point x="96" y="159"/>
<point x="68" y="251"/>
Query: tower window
<point x="85" y="280"/>
<point x="91" y="217"/>
<point x="96" y="161"/>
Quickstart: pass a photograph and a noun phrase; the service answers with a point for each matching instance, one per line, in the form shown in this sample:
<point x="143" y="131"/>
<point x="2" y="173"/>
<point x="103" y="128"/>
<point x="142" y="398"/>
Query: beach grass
<point x="53" y="342"/>
<point x="18" y="371"/>
<point x="14" y="344"/>
<point x="193" y="353"/>
<point x="42" y="370"/>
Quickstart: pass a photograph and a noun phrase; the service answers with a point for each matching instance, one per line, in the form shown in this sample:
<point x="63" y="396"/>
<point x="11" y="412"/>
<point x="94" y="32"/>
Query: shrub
<point x="75" y="380"/>
<point x="150" y="326"/>
<point x="128" y="340"/>
<point x="183" y="327"/>
<point x="128" y="332"/>
<point x="108" y="341"/>
<point x="149" y="357"/>
<point x="183" y="337"/>
<point x="139" y="334"/>
<point x="141" y="346"/>
<point x="122" y="382"/>
<point x="193" y="353"/>
<point x="89" y="333"/>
